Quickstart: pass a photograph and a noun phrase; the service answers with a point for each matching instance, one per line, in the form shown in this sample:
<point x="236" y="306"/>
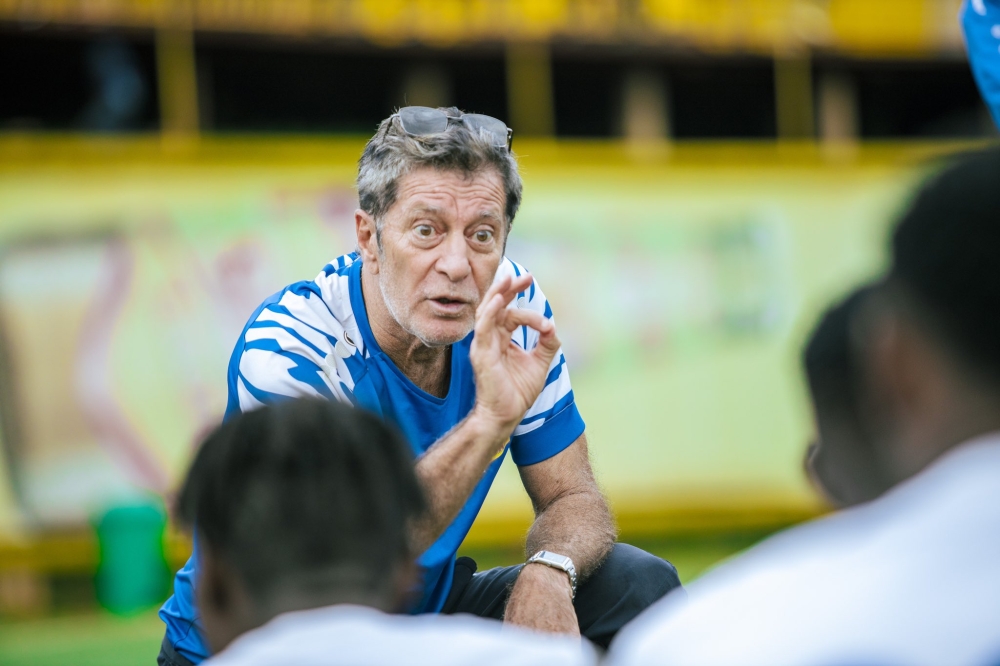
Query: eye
<point x="424" y="230"/>
<point x="484" y="236"/>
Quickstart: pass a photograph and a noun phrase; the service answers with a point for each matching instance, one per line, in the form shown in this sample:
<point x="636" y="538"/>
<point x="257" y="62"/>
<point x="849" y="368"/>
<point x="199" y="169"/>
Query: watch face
<point x="560" y="561"/>
<point x="556" y="561"/>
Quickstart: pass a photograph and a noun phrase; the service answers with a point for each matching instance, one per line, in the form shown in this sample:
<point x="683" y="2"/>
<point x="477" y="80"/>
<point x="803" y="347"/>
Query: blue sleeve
<point x="552" y="437"/>
<point x="181" y="616"/>
<point x="981" y="25"/>
<point x="553" y="422"/>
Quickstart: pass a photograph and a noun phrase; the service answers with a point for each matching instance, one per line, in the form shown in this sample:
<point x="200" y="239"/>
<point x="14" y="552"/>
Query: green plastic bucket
<point x="132" y="572"/>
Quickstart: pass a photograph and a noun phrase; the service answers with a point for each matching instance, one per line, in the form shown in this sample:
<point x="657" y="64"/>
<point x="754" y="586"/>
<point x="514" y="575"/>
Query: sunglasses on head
<point x="425" y="121"/>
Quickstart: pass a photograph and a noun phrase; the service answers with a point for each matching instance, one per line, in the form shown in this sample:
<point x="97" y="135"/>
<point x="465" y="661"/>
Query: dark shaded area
<point x="587" y="96"/>
<point x="723" y="99"/>
<point x="286" y="89"/>
<point x="718" y="98"/>
<point x="929" y="99"/>
<point x="295" y="88"/>
<point x="692" y="554"/>
<point x="100" y="81"/>
<point x="95" y="82"/>
<point x="479" y="83"/>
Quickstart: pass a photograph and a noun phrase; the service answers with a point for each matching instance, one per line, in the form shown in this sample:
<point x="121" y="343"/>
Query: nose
<point x="453" y="261"/>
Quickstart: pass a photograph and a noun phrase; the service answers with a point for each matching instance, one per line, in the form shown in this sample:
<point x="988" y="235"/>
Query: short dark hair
<point x="845" y="461"/>
<point x="945" y="253"/>
<point x="828" y="358"/>
<point x="304" y="492"/>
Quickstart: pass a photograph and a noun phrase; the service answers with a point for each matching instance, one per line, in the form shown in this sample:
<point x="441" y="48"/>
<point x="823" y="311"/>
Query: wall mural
<point x="118" y="316"/>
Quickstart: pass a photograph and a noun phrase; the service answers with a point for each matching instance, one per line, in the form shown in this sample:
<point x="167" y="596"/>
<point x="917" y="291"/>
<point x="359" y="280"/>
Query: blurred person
<point x="302" y="513"/>
<point x="913" y="576"/>
<point x="429" y="325"/>
<point x="842" y="463"/>
<point x="120" y="92"/>
<point x="981" y="24"/>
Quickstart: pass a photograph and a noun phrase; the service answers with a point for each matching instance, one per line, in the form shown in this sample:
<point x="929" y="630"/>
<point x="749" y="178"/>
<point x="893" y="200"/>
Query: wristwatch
<point x="556" y="561"/>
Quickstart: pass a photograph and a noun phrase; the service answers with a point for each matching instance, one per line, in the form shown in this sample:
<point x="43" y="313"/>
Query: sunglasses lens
<point x="421" y="120"/>
<point x="477" y="121"/>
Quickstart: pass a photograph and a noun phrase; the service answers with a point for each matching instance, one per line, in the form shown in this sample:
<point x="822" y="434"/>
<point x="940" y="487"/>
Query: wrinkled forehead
<point x="450" y="194"/>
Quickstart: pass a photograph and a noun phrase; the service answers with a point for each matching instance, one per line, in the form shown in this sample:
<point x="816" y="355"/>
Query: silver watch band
<point x="556" y="561"/>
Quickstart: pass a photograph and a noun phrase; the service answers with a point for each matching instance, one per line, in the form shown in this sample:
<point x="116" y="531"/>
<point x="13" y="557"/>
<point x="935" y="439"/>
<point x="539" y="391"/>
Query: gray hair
<point x="391" y="154"/>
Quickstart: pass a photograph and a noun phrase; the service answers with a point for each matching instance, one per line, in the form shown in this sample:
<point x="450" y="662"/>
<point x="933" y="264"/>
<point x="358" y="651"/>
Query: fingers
<point x="548" y="342"/>
<point x="497" y="288"/>
<point x="508" y="287"/>
<point x="520" y="283"/>
<point x="486" y="317"/>
<point x="536" y="320"/>
<point x="497" y="298"/>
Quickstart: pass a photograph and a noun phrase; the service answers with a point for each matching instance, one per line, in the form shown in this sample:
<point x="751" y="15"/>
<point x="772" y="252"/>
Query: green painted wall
<point x="683" y="286"/>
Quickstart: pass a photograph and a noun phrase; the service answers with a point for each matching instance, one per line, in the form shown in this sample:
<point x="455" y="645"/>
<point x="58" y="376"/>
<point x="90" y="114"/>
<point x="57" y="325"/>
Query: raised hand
<point x="508" y="378"/>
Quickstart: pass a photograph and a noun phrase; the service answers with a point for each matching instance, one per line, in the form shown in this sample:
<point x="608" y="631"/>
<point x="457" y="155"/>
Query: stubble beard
<point x="403" y="315"/>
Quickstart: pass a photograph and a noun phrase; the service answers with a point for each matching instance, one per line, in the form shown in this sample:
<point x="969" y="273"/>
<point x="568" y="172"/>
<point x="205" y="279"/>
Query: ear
<point x="910" y="394"/>
<point x="364" y="226"/>
<point x="904" y="367"/>
<point x="223" y="605"/>
<point x="214" y="595"/>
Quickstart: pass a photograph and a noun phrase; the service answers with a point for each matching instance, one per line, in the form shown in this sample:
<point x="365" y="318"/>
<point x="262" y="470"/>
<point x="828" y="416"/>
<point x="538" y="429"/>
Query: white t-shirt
<point x="910" y="578"/>
<point x="359" y="636"/>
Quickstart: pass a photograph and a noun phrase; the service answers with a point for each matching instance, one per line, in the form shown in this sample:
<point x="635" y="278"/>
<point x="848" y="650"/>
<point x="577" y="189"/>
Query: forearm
<point x="450" y="471"/>
<point x="578" y="525"/>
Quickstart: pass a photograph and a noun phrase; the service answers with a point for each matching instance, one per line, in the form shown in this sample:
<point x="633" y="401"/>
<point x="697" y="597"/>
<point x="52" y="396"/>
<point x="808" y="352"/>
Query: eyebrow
<point x="436" y="211"/>
<point x="490" y="215"/>
<point x="425" y="210"/>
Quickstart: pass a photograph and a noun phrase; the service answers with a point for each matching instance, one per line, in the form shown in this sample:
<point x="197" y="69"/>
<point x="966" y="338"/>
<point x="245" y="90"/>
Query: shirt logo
<point x="501" y="452"/>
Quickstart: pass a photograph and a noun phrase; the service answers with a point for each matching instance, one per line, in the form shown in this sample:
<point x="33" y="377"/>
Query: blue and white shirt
<point x="981" y="24"/>
<point x="313" y="339"/>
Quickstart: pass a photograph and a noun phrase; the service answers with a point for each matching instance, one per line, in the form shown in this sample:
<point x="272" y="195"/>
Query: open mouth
<point x="449" y="307"/>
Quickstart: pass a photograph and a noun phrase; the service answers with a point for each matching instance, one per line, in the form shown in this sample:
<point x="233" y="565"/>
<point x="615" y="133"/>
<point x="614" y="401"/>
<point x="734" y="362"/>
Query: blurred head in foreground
<point x="901" y="372"/>
<point x="842" y="462"/>
<point x="299" y="505"/>
<point x="906" y="381"/>
<point x="931" y="350"/>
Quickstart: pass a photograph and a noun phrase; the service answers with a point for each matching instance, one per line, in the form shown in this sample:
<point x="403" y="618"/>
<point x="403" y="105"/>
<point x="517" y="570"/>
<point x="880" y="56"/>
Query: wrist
<point x="540" y="575"/>
<point x="488" y="427"/>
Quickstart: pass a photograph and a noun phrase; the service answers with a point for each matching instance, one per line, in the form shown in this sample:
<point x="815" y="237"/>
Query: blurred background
<point x="702" y="177"/>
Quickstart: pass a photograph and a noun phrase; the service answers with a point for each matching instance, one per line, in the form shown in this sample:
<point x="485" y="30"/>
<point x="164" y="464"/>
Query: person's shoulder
<point x="339" y="267"/>
<point x="365" y="635"/>
<point x="780" y="598"/>
<point x="509" y="268"/>
<point x="754" y="618"/>
<point x="531" y="298"/>
<point x="485" y="642"/>
<point x="318" y="303"/>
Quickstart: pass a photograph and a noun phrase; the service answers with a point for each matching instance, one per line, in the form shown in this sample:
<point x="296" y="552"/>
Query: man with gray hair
<point x="429" y="325"/>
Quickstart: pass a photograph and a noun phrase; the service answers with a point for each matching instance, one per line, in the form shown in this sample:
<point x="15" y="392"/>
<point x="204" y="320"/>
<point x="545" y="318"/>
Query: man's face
<point x="442" y="242"/>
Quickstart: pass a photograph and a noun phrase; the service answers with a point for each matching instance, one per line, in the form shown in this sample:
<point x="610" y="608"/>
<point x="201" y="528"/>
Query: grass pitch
<point x="101" y="639"/>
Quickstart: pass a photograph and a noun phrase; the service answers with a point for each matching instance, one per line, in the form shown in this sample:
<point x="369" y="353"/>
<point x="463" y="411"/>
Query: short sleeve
<point x="553" y="422"/>
<point x="279" y="357"/>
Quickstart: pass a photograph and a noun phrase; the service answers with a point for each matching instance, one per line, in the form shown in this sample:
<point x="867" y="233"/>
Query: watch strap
<point x="556" y="561"/>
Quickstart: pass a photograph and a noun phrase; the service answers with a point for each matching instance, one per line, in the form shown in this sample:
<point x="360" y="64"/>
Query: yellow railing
<point x="43" y="150"/>
<point x="853" y="27"/>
